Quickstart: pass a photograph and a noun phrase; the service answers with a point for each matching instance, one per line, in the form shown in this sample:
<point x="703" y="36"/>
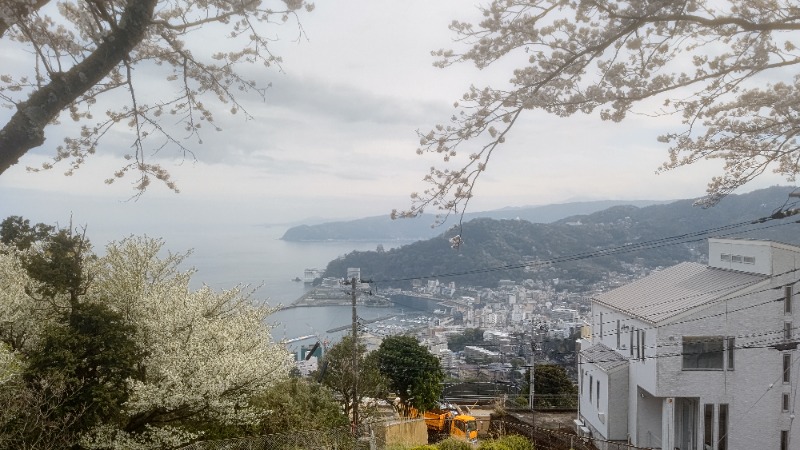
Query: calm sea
<point x="255" y="256"/>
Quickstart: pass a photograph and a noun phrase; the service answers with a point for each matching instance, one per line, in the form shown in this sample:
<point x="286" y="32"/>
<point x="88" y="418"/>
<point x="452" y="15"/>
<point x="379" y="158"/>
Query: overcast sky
<point x="336" y="138"/>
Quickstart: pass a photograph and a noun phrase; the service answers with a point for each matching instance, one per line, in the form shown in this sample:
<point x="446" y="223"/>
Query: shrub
<point x="453" y="444"/>
<point x="513" y="442"/>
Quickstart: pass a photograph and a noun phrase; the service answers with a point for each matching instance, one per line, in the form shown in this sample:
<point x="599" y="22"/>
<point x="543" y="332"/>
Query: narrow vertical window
<point x="722" y="441"/>
<point x="787" y="299"/>
<point x="708" y="425"/>
<point x="641" y="344"/>
<point x="601" y="326"/>
<point x="582" y="371"/>
<point x="731" y="346"/>
<point x="617" y="334"/>
<point x="598" y="395"/>
<point x="784" y="440"/>
<point x="630" y="334"/>
<point x="787" y="367"/>
<point x="590" y="389"/>
<point x="638" y="347"/>
<point x="785" y="404"/>
<point x="787" y="331"/>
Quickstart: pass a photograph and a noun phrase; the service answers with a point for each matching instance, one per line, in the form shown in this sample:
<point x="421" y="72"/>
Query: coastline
<point x="320" y="296"/>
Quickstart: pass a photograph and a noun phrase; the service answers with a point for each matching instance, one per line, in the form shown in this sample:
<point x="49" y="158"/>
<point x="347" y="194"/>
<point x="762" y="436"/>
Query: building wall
<point x="754" y="389"/>
<point x="760" y="250"/>
<point x="617" y="401"/>
<point x="646" y="423"/>
<point x="589" y="409"/>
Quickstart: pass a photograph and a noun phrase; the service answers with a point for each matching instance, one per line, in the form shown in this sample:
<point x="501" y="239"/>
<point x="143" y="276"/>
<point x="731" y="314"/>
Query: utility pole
<point x="355" y="354"/>
<point x="530" y="380"/>
<point x="353" y="282"/>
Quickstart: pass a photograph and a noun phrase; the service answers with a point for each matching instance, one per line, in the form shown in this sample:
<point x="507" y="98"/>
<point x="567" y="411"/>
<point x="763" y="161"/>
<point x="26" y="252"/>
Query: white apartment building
<point x="564" y="314"/>
<point x="698" y="357"/>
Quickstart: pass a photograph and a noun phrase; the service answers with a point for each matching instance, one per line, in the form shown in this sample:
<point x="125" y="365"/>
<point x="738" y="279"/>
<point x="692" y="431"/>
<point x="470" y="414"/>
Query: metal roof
<point x="671" y="291"/>
<point x="603" y="357"/>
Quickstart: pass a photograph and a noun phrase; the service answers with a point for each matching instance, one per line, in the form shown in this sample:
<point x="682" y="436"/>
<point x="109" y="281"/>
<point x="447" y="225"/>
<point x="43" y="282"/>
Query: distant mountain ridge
<point x="419" y="228"/>
<point x="572" y="248"/>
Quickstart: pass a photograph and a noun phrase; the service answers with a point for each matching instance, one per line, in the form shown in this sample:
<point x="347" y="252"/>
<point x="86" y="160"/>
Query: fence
<point x="397" y="433"/>
<point x="547" y="439"/>
<point x="377" y="436"/>
<point x="329" y="439"/>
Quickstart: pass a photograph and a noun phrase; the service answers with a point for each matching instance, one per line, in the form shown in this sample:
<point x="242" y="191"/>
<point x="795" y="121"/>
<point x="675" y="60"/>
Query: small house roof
<point x="603" y="357"/>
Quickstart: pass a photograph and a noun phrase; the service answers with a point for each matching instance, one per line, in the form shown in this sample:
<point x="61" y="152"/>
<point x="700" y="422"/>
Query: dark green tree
<point x="338" y="374"/>
<point x="470" y="336"/>
<point x="85" y="360"/>
<point x="18" y="232"/>
<point x="57" y="261"/>
<point x="414" y="374"/>
<point x="553" y="387"/>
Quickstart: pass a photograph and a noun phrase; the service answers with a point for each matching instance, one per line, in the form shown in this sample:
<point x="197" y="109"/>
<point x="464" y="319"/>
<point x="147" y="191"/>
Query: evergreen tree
<point x="414" y="374"/>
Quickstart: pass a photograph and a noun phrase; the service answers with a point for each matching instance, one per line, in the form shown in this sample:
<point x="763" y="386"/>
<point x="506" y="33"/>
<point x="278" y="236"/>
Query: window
<point x="787" y="331"/>
<point x="749" y="260"/>
<point x="731" y="346"/>
<point x="784" y="440"/>
<point x="630" y="334"/>
<point x="598" y="394"/>
<point x="787" y="299"/>
<point x="736" y="258"/>
<point x="601" y="326"/>
<point x="638" y="347"/>
<point x="617" y="334"/>
<point x="641" y="344"/>
<point x="725" y="257"/>
<point x="785" y="405"/>
<point x="708" y="425"/>
<point x="582" y="371"/>
<point x="590" y="389"/>
<point x="703" y="353"/>
<point x="787" y="367"/>
<point x="722" y="441"/>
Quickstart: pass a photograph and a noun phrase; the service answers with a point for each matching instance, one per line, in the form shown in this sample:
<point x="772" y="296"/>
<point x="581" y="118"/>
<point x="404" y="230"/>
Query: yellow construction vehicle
<point x="444" y="423"/>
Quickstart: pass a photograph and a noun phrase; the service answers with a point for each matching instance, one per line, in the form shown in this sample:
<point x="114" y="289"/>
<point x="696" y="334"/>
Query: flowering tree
<point x="132" y="357"/>
<point x="77" y="53"/>
<point x="208" y="353"/>
<point x="707" y="62"/>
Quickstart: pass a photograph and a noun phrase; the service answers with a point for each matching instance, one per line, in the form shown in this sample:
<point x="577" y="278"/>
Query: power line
<point x="713" y="302"/>
<point x="627" y="248"/>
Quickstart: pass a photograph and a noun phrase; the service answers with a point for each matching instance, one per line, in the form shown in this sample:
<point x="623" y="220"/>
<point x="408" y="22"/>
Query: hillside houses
<point x="697" y="356"/>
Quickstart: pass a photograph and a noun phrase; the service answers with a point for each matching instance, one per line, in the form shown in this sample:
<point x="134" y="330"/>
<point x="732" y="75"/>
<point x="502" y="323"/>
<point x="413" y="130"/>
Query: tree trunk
<point x="25" y="130"/>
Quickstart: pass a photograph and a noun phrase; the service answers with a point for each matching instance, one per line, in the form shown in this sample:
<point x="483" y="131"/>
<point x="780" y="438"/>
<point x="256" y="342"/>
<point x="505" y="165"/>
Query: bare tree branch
<point x="25" y="130"/>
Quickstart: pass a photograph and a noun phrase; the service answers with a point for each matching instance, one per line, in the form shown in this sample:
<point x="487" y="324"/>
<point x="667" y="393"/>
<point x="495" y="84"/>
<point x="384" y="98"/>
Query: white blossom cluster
<point x="22" y="317"/>
<point x="206" y="352"/>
